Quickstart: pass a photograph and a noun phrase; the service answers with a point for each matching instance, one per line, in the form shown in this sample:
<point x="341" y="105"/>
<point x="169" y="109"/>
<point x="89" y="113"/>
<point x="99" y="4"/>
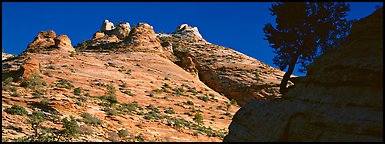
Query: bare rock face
<point x="106" y="26"/>
<point x="64" y="43"/>
<point x="43" y="40"/>
<point x="5" y="56"/>
<point x="30" y="66"/>
<point x="340" y="99"/>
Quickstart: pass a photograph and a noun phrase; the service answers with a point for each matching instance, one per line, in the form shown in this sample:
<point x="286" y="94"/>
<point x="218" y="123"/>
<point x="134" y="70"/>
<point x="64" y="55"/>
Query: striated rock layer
<point x="341" y="98"/>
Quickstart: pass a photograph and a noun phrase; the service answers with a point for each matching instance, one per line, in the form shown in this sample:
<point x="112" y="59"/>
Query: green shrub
<point x="169" y="111"/>
<point x="189" y="102"/>
<point x="16" y="110"/>
<point x="70" y="126"/>
<point x="50" y="67"/>
<point x="15" y="94"/>
<point x="204" y="98"/>
<point x="198" y="118"/>
<point x="233" y="101"/>
<point x="89" y="119"/>
<point x="110" y="111"/>
<point x="110" y="90"/>
<point x="123" y="133"/>
<point x="87" y="94"/>
<point x="34" y="82"/>
<point x="36" y="94"/>
<point x="63" y="83"/>
<point x="78" y="91"/>
<point x="8" y="80"/>
<point x="112" y="100"/>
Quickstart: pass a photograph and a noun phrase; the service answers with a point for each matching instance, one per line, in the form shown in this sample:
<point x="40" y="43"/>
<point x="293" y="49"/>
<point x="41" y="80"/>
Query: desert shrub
<point x="110" y="90"/>
<point x="153" y="115"/>
<point x="110" y="111"/>
<point x="204" y="98"/>
<point x="124" y="85"/>
<point x="63" y="83"/>
<point x="85" y="129"/>
<point x="89" y="119"/>
<point x="123" y="133"/>
<point x="189" y="102"/>
<point x="233" y="101"/>
<point x="112" y="100"/>
<point x="166" y="85"/>
<point x="198" y="118"/>
<point x="78" y="91"/>
<point x="113" y="136"/>
<point x="87" y="94"/>
<point x="36" y="94"/>
<point x="16" y="110"/>
<point x="35" y="120"/>
<point x="34" y="82"/>
<point x="8" y="80"/>
<point x="16" y="94"/>
<point x="70" y="126"/>
<point x="50" y="67"/>
<point x="169" y="111"/>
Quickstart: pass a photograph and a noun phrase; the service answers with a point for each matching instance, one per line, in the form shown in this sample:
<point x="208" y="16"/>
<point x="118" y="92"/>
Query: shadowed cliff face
<point x="341" y="98"/>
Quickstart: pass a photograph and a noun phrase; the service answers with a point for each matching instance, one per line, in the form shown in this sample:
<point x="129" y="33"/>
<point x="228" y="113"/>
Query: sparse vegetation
<point x="78" y="91"/>
<point x="169" y="111"/>
<point x="89" y="119"/>
<point x="51" y="67"/>
<point x="16" y="110"/>
<point x="189" y="102"/>
<point x="70" y="126"/>
<point x="63" y="83"/>
<point x="8" y="80"/>
<point x="34" y="82"/>
<point x="198" y="118"/>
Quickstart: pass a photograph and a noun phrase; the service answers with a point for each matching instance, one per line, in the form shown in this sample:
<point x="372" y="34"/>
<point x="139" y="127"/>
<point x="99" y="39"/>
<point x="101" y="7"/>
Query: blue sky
<point x="230" y="24"/>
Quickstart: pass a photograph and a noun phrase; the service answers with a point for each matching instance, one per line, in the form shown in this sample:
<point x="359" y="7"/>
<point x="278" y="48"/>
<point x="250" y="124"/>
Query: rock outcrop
<point x="64" y="43"/>
<point x="143" y="38"/>
<point x="185" y="30"/>
<point x="340" y="99"/>
<point x="231" y="73"/>
<point x="44" y="39"/>
<point x="47" y="40"/>
<point x="109" y="35"/>
<point x="5" y="56"/>
<point x="107" y="26"/>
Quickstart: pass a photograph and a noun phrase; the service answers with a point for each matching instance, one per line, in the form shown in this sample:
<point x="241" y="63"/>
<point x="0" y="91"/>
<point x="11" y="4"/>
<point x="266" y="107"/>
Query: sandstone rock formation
<point x="5" y="56"/>
<point x="185" y="30"/>
<point x="106" y="26"/>
<point x="44" y="39"/>
<point x="143" y="38"/>
<point x="64" y="43"/>
<point x="231" y="73"/>
<point x="109" y="35"/>
<point x="47" y="40"/>
<point x="340" y="99"/>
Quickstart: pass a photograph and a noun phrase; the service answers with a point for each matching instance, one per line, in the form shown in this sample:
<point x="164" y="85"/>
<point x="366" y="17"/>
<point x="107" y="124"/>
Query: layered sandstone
<point x="340" y="99"/>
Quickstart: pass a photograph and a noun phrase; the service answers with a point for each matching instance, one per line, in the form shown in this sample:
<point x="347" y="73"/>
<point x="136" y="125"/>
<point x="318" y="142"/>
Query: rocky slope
<point x="5" y="56"/>
<point x="130" y="85"/>
<point x="340" y="99"/>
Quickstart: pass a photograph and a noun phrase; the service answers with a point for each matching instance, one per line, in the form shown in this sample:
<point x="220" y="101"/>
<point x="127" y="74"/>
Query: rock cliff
<point x="340" y="99"/>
